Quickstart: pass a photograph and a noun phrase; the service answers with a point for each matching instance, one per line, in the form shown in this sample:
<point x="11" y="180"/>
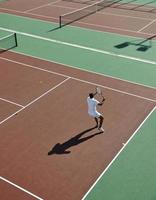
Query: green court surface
<point x="140" y="2"/>
<point x="132" y="174"/>
<point x="4" y="34"/>
<point x="86" y="49"/>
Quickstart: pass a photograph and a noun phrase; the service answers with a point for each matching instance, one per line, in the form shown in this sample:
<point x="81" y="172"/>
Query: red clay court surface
<point x="52" y="109"/>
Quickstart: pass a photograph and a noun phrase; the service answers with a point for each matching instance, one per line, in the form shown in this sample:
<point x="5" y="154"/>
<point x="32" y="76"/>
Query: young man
<point x="92" y="111"/>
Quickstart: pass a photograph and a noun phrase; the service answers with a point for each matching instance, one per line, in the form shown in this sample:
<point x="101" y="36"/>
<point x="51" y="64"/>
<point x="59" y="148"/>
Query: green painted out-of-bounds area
<point x="3" y="34"/>
<point x="100" y="52"/>
<point x="143" y="3"/>
<point x="132" y="175"/>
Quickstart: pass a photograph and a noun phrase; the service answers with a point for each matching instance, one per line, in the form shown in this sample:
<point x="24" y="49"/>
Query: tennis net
<point x="70" y="17"/>
<point x="8" y="42"/>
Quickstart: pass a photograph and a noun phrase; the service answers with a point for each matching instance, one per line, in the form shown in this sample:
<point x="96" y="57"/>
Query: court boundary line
<point x="62" y="82"/>
<point x="95" y="25"/>
<point x="20" y="188"/>
<point x="147" y="26"/>
<point x="81" y="80"/>
<point x="112" y="14"/>
<point x="117" y="78"/>
<point x="105" y="13"/>
<point x="82" y="47"/>
<point x="31" y="102"/>
<point x="15" y="185"/>
<point x="119" y="152"/>
<point x="74" y="67"/>
<point x="69" y="7"/>
<point x="42" y="6"/>
<point x="93" y="72"/>
<point x="11" y="102"/>
<point x="85" y="48"/>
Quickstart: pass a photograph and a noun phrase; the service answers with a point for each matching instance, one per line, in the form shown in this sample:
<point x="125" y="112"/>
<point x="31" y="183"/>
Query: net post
<point x="60" y="22"/>
<point x="15" y="39"/>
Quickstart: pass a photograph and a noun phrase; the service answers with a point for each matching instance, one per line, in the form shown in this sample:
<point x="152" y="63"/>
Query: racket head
<point x="98" y="91"/>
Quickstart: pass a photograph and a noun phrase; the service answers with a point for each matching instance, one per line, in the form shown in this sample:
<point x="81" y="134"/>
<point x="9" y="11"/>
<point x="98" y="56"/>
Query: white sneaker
<point x="101" y="129"/>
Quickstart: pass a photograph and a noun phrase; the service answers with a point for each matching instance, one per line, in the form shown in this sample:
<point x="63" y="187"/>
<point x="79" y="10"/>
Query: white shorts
<point x="96" y="114"/>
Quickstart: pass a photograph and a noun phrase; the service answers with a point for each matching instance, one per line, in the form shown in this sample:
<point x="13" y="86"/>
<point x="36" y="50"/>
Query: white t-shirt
<point x="92" y="103"/>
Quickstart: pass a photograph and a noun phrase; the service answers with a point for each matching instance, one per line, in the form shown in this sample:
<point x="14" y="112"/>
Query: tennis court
<point x="50" y="148"/>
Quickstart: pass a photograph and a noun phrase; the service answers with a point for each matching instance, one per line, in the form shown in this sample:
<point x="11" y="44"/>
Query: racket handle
<point x="103" y="99"/>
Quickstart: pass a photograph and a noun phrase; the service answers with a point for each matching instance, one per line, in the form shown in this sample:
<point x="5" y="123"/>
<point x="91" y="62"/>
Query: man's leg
<point x="96" y="119"/>
<point x="101" y="122"/>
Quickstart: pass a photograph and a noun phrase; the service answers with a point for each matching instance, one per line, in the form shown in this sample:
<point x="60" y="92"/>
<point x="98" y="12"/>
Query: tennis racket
<point x="99" y="92"/>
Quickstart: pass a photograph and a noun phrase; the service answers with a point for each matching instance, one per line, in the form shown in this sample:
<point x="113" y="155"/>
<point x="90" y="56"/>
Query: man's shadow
<point x="62" y="148"/>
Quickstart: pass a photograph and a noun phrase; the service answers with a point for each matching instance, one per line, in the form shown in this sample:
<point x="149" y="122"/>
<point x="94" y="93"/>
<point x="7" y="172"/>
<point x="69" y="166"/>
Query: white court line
<point x="83" y="47"/>
<point x="28" y="104"/>
<point x="8" y="101"/>
<point x="85" y="23"/>
<point x="17" y="113"/>
<point x="112" y="28"/>
<point x="44" y="5"/>
<point x="47" y="92"/>
<point x="93" y="72"/>
<point x="17" y="11"/>
<point x="1" y="122"/>
<point x="107" y="13"/>
<point x="115" y="90"/>
<point x="151" y="62"/>
<point x="20" y="188"/>
<point x="109" y="165"/>
<point x="88" y="82"/>
<point x="153" y="21"/>
<point x="33" y="67"/>
<point x="55" y="5"/>
<point x="53" y="88"/>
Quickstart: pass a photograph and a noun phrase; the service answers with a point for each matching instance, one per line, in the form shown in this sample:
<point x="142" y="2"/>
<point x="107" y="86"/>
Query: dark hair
<point x="91" y="95"/>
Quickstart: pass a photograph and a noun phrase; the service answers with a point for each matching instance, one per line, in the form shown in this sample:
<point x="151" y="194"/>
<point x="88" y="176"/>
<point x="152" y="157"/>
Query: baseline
<point x="20" y="188"/>
<point x="83" y="47"/>
<point x="79" y="79"/>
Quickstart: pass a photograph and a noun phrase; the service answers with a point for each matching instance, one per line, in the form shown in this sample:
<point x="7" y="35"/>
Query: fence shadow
<point x="141" y="46"/>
